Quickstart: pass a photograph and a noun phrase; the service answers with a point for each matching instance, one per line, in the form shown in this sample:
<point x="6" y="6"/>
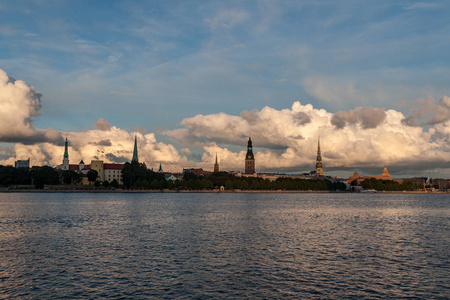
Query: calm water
<point x="224" y="246"/>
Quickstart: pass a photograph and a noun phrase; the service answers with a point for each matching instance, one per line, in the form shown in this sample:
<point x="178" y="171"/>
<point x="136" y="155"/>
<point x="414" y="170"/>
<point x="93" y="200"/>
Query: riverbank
<point x="196" y="191"/>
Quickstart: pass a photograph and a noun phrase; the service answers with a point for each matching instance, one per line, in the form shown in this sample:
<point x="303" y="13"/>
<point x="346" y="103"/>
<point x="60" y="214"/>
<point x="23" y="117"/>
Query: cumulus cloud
<point x="286" y="140"/>
<point x="102" y="124"/>
<point x="427" y="111"/>
<point x="367" y="117"/>
<point x="114" y="145"/>
<point x="140" y="129"/>
<point x="19" y="103"/>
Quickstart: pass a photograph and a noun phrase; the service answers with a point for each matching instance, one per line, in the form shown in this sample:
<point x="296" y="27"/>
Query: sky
<point x="192" y="79"/>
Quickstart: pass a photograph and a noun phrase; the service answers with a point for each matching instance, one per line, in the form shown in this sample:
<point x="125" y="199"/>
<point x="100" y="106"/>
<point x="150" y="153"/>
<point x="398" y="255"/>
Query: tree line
<point x="37" y="176"/>
<point x="136" y="175"/>
<point x="386" y="185"/>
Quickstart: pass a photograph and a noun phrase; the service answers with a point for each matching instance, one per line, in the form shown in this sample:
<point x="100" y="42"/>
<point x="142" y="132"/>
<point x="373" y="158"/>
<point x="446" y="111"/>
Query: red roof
<point x="74" y="167"/>
<point x="198" y="172"/>
<point x="113" y="166"/>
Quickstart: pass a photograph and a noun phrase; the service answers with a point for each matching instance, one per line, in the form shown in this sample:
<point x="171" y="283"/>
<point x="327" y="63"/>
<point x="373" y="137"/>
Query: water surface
<point x="216" y="246"/>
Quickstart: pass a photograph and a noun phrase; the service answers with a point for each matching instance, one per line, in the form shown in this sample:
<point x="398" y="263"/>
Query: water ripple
<point x="216" y="246"/>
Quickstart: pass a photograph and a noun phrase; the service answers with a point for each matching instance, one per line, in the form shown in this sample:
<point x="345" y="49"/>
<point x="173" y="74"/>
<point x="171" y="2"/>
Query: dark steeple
<point x="66" y="152"/>
<point x="65" y="163"/>
<point x="249" y="149"/>
<point x="135" y="152"/>
<point x="249" y="158"/>
<point x="216" y="165"/>
<point x="319" y="168"/>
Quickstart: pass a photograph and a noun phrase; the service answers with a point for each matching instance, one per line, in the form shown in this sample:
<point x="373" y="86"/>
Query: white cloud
<point x="423" y="5"/>
<point x="284" y="140"/>
<point x="227" y="19"/>
<point x="112" y="145"/>
<point x="19" y="103"/>
<point x="370" y="137"/>
<point x="425" y="111"/>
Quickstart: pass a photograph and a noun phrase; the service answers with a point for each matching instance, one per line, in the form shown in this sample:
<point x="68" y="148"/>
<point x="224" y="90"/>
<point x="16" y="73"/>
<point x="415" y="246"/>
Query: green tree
<point x="106" y="184"/>
<point x="255" y="184"/>
<point x="10" y="175"/>
<point x="92" y="175"/>
<point x="66" y="177"/>
<point x="115" y="184"/>
<point x="170" y="185"/>
<point x="244" y="184"/>
<point x="22" y="176"/>
<point x="154" y="184"/>
<point x="134" y="171"/>
<point x="76" y="177"/>
<point x="6" y="175"/>
<point x="44" y="175"/>
<point x="229" y="184"/>
<point x="97" y="183"/>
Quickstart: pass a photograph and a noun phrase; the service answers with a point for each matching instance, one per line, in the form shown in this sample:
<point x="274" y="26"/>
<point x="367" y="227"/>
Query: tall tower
<point x="135" y="153"/>
<point x="319" y="168"/>
<point x="216" y="166"/>
<point x="65" y="162"/>
<point x="249" y="158"/>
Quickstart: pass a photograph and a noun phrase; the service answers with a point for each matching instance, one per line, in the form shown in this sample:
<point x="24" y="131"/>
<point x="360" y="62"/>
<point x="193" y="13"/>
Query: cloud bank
<point x="365" y="137"/>
<point x="285" y="140"/>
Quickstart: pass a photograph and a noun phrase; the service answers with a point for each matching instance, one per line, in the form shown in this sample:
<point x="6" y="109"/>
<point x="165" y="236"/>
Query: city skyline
<point x="191" y="83"/>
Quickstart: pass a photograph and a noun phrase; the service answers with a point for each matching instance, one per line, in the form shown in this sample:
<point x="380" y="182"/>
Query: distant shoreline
<point x="205" y="191"/>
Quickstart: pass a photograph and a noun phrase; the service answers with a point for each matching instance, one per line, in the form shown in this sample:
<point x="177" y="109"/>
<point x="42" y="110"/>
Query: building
<point x="171" y="177"/>
<point x="216" y="165"/>
<point x="384" y="176"/>
<point x="319" y="168"/>
<point x="419" y="181"/>
<point x="113" y="171"/>
<point x="440" y="184"/>
<point x="249" y="158"/>
<point x="106" y="171"/>
<point x="97" y="165"/>
<point x="22" y="164"/>
<point x="196" y="171"/>
<point x="81" y="167"/>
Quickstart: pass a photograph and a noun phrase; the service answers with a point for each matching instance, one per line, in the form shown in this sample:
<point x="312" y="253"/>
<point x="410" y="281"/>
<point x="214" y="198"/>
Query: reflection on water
<point x="224" y="246"/>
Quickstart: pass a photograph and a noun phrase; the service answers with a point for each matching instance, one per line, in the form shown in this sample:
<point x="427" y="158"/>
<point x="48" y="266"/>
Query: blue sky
<point x="154" y="63"/>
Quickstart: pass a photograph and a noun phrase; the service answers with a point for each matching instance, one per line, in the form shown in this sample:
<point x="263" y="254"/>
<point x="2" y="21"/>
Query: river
<point x="224" y="246"/>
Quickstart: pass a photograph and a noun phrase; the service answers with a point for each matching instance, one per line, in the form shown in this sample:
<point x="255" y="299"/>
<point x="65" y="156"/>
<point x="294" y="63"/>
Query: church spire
<point x="216" y="165"/>
<point x="65" y="162"/>
<point x="319" y="156"/>
<point x="135" y="152"/>
<point x="250" y="158"/>
<point x="319" y="167"/>
<point x="66" y="152"/>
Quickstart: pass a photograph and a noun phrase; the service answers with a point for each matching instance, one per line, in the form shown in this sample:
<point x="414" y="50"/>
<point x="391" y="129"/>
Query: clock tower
<point x="249" y="158"/>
